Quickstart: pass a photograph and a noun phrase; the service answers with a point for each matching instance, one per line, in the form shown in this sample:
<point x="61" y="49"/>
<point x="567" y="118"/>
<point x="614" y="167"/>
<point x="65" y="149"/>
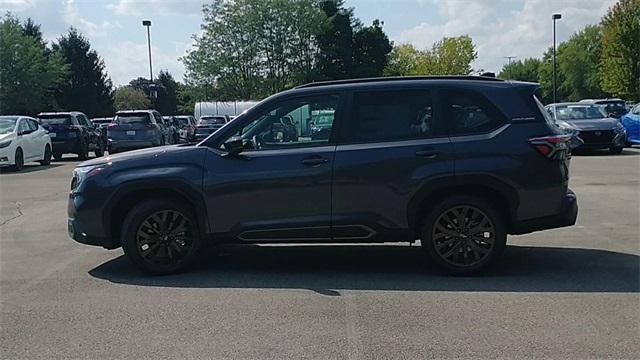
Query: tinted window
<point x="468" y="113"/>
<point x="55" y="119"/>
<point x="391" y="116"/>
<point x="132" y="118"/>
<point x="289" y="124"/>
<point x="213" y="120"/>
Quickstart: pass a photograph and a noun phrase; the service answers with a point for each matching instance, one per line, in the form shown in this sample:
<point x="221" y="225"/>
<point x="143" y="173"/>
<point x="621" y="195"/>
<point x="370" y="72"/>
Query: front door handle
<point x="427" y="153"/>
<point x="314" y="161"/>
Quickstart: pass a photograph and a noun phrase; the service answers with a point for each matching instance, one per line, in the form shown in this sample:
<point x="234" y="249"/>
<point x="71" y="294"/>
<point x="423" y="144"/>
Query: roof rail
<point x="398" y="78"/>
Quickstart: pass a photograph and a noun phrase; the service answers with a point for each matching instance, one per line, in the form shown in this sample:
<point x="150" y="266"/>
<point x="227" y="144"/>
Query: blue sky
<point x="499" y="28"/>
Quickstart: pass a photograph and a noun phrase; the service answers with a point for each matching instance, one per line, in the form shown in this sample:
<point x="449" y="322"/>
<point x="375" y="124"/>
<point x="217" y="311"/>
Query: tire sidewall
<point x="46" y="159"/>
<point x="130" y="227"/>
<point x="18" y="165"/>
<point x="485" y="206"/>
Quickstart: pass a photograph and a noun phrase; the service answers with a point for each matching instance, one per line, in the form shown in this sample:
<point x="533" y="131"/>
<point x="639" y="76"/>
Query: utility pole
<point x="509" y="58"/>
<point x="147" y="24"/>
<point x="554" y="17"/>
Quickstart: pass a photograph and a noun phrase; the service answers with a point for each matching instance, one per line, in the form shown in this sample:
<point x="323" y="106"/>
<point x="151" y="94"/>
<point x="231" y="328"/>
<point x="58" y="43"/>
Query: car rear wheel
<point x="83" y="152"/>
<point x="99" y="151"/>
<point x="46" y="160"/>
<point x="616" y="150"/>
<point x="18" y="162"/>
<point x="463" y="235"/>
<point x="161" y="237"/>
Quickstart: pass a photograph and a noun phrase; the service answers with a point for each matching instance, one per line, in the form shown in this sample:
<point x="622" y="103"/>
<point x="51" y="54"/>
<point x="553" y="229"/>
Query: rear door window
<point x="469" y="113"/>
<point x="397" y="115"/>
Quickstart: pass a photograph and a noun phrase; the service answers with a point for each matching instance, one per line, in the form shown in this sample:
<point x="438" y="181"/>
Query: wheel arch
<point x="500" y="193"/>
<point x="131" y="194"/>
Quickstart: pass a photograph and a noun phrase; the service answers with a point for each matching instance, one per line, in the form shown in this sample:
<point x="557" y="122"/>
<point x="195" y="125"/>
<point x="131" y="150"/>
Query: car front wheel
<point x="616" y="150"/>
<point x="18" y="162"/>
<point x="161" y="237"/>
<point x="463" y="235"/>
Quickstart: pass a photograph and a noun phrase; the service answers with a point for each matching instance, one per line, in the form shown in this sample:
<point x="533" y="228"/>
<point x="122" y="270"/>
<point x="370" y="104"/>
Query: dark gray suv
<point x="456" y="162"/>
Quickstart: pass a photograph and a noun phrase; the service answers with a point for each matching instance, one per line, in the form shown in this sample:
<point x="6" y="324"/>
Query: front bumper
<point x="619" y="139"/>
<point x="566" y="217"/>
<point x="80" y="229"/>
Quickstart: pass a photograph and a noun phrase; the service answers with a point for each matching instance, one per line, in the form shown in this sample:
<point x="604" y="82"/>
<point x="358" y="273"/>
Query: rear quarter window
<point x="468" y="113"/>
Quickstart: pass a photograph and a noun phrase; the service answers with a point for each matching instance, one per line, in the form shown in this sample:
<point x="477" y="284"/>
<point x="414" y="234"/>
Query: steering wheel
<point x="257" y="142"/>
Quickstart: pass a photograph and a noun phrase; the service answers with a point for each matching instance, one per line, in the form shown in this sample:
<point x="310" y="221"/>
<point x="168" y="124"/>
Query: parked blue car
<point x="631" y="122"/>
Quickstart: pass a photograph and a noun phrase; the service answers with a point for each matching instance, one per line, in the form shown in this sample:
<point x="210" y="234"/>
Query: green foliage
<point x="526" y="70"/>
<point x="251" y="48"/>
<point x="371" y="48"/>
<point x="88" y="88"/>
<point x="128" y="98"/>
<point x="620" y="59"/>
<point x="28" y="76"/>
<point x="449" y="56"/>
<point x="167" y="87"/>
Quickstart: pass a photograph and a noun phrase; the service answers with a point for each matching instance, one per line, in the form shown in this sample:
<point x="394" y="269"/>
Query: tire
<point x="460" y="252"/>
<point x="159" y="256"/>
<point x="46" y="160"/>
<point x="616" y="150"/>
<point x="99" y="151"/>
<point x="83" y="153"/>
<point x="18" y="160"/>
<point x="57" y="156"/>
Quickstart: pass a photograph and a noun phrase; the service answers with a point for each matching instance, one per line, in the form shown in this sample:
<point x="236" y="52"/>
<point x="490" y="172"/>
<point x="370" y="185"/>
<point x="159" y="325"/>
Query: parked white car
<point x="23" y="139"/>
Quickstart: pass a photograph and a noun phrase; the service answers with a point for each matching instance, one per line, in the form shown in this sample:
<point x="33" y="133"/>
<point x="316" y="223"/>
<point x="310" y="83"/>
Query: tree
<point x="371" y="48"/>
<point x="128" y="98"/>
<point x="403" y="61"/>
<point x="620" y="59"/>
<point x="335" y="41"/>
<point x="452" y="56"/>
<point x="526" y="70"/>
<point x="167" y="87"/>
<point x="27" y="75"/>
<point x="449" y="56"/>
<point x="578" y="60"/>
<point x="89" y="88"/>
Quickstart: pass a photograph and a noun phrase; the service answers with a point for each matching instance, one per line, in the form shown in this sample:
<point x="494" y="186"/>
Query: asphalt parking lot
<point x="565" y="293"/>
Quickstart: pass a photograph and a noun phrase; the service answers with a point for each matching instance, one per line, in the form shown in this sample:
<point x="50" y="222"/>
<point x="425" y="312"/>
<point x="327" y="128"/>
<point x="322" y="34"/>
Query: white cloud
<point x="148" y="7"/>
<point x="72" y="16"/>
<point x="128" y="60"/>
<point x="15" y="5"/>
<point x="526" y="32"/>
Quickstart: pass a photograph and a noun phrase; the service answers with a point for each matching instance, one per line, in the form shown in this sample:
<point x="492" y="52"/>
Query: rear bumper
<point x="65" y="146"/>
<point x="566" y="217"/>
<point x="121" y="145"/>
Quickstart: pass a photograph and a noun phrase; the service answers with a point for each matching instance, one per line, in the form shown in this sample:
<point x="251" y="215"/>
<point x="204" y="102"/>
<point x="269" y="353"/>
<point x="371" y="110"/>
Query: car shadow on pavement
<point x="28" y="167"/>
<point x="329" y="269"/>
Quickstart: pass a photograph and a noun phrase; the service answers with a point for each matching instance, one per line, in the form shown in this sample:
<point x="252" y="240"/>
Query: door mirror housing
<point x="234" y="146"/>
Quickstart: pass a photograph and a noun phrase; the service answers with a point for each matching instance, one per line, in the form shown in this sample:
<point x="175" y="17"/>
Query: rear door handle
<point x="427" y="153"/>
<point x="314" y="161"/>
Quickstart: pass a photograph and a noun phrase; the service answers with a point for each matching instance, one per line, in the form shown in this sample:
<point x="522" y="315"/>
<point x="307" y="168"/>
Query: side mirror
<point x="234" y="146"/>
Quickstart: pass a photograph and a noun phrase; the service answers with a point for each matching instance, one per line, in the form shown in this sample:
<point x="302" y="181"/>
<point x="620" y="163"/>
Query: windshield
<point x="127" y="119"/>
<point x="213" y="120"/>
<point x="55" y="119"/>
<point x="579" y="112"/>
<point x="7" y="124"/>
<point x="182" y="120"/>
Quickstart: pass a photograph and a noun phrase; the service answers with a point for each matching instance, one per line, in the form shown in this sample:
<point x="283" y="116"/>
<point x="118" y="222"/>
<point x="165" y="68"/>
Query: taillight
<point x="112" y="126"/>
<point x="150" y="126"/>
<point x="74" y="127"/>
<point x="552" y="147"/>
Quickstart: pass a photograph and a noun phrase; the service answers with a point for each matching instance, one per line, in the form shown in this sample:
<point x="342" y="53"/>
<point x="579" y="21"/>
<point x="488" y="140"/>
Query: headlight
<point x="4" y="144"/>
<point x="566" y="127"/>
<point x="80" y="174"/>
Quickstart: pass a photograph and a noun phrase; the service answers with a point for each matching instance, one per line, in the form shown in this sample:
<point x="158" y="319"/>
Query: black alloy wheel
<point x="160" y="237"/>
<point x="463" y="234"/>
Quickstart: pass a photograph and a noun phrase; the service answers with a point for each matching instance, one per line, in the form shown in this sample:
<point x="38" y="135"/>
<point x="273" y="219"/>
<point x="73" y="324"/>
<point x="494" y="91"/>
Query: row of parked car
<point x="53" y="134"/>
<point x="598" y="123"/>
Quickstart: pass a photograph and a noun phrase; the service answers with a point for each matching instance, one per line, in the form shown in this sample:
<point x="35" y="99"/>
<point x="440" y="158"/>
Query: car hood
<point x="6" y="136"/>
<point x="141" y="154"/>
<point x="594" y="124"/>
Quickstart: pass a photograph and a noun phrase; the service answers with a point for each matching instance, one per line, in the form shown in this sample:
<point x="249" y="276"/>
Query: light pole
<point x="509" y="58"/>
<point x="554" y="17"/>
<point x="147" y="23"/>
